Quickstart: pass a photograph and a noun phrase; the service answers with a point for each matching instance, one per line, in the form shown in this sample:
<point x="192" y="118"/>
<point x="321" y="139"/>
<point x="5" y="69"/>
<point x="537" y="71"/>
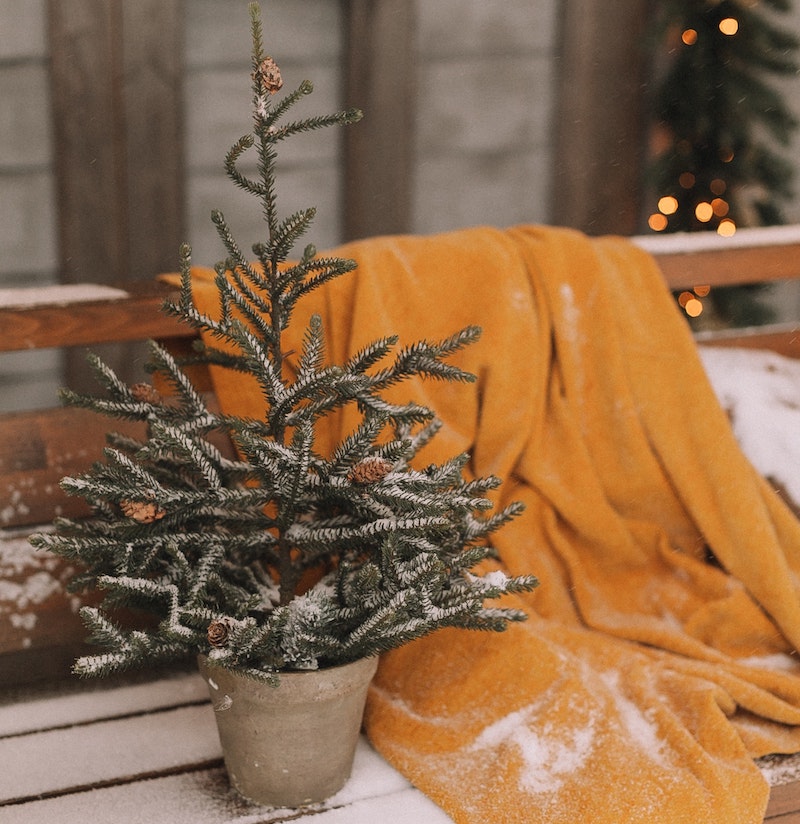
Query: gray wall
<point x="28" y="244"/>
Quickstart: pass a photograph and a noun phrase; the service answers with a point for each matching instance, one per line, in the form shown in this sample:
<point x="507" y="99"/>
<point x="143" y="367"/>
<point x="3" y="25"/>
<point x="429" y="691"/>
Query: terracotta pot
<point x="291" y="744"/>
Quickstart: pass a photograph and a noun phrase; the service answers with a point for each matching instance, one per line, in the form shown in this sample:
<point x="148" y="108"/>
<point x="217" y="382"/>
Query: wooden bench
<point x="146" y="750"/>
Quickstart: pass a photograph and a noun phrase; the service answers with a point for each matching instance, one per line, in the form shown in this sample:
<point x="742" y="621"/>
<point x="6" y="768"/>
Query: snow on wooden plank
<point x="98" y="703"/>
<point x="59" y="294"/>
<point x="375" y="793"/>
<point x="409" y="806"/>
<point x="55" y="761"/>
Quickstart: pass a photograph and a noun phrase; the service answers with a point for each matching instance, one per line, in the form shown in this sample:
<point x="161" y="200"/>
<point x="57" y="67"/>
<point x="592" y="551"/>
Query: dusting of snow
<point x="496" y="579"/>
<point x="685" y="242"/>
<point x="638" y="724"/>
<point x="760" y="390"/>
<point x="27" y="579"/>
<point x="16" y="506"/>
<point x="549" y="757"/>
<point x="570" y="311"/>
<point x="58" y="294"/>
<point x="780" y="661"/>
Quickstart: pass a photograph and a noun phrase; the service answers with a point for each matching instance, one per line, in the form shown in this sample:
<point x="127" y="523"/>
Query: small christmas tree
<point x="220" y="549"/>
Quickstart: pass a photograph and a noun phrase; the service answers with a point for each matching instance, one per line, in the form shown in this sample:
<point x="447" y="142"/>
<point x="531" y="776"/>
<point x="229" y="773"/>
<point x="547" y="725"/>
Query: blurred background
<point x="116" y="117"/>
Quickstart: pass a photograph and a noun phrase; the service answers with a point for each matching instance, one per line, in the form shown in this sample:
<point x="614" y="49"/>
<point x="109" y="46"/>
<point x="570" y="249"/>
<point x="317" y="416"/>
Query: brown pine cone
<point x="145" y="393"/>
<point x="268" y="75"/>
<point x="370" y="470"/>
<point x="143" y="512"/>
<point x="218" y="631"/>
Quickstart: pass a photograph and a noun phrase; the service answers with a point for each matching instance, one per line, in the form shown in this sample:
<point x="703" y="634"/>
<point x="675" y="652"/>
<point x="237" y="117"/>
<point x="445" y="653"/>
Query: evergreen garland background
<point x="720" y="124"/>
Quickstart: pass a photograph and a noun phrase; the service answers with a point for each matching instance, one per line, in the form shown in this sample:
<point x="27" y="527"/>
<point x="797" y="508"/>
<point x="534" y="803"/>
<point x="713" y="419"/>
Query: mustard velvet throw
<point x="660" y="654"/>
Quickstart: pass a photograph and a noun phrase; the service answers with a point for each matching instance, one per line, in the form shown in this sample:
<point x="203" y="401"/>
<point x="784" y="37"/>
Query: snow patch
<point x="549" y="757"/>
<point x="760" y="391"/>
<point x="58" y="294"/>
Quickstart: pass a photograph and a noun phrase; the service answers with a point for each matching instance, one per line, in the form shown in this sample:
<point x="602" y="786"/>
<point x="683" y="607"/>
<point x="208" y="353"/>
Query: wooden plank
<point x="116" y="74"/>
<point x="152" y="66"/>
<point x="76" y="758"/>
<point x="752" y="255"/>
<point x="600" y="120"/>
<point x="137" y="316"/>
<point x="98" y="701"/>
<point x="730" y="267"/>
<point x="37" y="449"/>
<point x="203" y="795"/>
<point x="85" y="57"/>
<point x="378" y="151"/>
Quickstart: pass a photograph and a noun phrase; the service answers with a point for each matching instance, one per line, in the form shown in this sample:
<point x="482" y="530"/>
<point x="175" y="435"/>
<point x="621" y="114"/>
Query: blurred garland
<point x="718" y="125"/>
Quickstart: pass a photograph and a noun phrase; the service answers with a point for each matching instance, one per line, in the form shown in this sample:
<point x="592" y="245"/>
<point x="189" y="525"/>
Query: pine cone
<point x="143" y="512"/>
<point x="145" y="393"/>
<point x="268" y="75"/>
<point x="370" y="470"/>
<point x="218" y="631"/>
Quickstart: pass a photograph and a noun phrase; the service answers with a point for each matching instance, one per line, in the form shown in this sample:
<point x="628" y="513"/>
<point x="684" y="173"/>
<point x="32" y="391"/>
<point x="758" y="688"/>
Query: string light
<point x="686" y="180"/>
<point x="690" y="301"/>
<point x="704" y="211"/>
<point x="729" y="26"/>
<point x="668" y="205"/>
<point x="657" y="222"/>
<point x="720" y="207"/>
<point x="689" y="37"/>
<point x="693" y="308"/>
<point x="726" y="228"/>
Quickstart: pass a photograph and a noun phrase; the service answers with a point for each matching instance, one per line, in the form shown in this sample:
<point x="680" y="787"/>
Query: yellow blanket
<point x="658" y="659"/>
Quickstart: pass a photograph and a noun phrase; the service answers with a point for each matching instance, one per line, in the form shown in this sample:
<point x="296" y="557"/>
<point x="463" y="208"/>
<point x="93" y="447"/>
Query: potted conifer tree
<point x="220" y="547"/>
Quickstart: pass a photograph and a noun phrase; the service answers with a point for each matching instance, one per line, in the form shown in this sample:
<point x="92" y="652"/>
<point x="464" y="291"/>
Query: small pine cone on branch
<point x="143" y="512"/>
<point x="145" y="393"/>
<point x="218" y="631"/>
<point x="268" y="75"/>
<point x="370" y="470"/>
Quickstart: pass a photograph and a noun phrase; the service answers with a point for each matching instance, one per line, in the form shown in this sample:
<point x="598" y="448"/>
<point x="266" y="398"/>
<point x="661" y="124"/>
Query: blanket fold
<point x="660" y="654"/>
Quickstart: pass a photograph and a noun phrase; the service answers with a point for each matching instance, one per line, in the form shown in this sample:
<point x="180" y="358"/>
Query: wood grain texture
<point x="116" y="81"/>
<point x="378" y="151"/>
<point x="600" y="118"/>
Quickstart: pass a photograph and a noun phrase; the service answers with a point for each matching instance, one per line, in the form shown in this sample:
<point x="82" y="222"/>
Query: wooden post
<point x="116" y="82"/>
<point x="600" y="118"/>
<point x="379" y="151"/>
<point x="116" y="72"/>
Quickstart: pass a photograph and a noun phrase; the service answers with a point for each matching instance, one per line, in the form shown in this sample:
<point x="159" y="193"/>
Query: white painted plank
<point x="408" y="806"/>
<point x="98" y="703"/>
<point x="686" y="242"/>
<point x="376" y="794"/>
<point x="62" y="759"/>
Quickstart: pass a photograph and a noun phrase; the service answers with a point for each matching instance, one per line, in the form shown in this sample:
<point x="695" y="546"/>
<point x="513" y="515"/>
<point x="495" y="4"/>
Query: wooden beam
<point x="116" y="75"/>
<point x="116" y="78"/>
<point x="600" y="118"/>
<point x="136" y="315"/>
<point x="755" y="255"/>
<point x="378" y="151"/>
<point x="85" y="73"/>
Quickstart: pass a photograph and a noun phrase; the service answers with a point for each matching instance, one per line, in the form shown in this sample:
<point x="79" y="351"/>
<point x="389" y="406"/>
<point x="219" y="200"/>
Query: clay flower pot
<point x="292" y="744"/>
